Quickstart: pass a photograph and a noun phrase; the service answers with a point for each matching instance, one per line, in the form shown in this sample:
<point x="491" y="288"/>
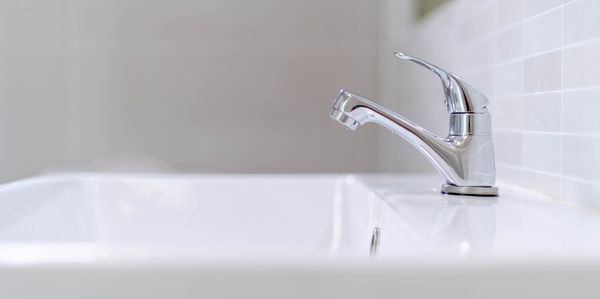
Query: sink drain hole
<point x="374" y="242"/>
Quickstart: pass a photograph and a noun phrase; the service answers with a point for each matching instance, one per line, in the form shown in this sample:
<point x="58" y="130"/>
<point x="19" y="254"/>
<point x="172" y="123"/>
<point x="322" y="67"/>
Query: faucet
<point x="465" y="158"/>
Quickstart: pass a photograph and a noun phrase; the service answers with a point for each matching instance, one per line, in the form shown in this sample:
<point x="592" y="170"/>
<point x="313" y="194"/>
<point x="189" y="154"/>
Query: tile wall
<point x="539" y="62"/>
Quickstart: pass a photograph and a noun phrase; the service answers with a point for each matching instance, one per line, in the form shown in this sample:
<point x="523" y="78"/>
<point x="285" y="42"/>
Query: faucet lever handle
<point x="461" y="96"/>
<point x="445" y="76"/>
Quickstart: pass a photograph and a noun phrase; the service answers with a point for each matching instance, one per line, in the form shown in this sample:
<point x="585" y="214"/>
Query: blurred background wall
<point x="202" y="86"/>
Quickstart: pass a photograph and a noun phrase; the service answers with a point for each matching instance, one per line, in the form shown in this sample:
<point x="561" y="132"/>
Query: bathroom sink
<point x="94" y="218"/>
<point x="288" y="236"/>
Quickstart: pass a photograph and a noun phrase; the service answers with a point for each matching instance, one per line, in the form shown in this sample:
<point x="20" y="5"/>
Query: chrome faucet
<point x="465" y="158"/>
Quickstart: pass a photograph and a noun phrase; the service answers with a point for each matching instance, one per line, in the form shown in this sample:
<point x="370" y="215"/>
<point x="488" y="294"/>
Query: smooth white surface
<point x="150" y="218"/>
<point x="98" y="218"/>
<point x="417" y="222"/>
<point x="292" y="236"/>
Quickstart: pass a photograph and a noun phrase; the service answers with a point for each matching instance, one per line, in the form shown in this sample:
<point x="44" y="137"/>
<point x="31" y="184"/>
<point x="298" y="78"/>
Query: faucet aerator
<point x="346" y="121"/>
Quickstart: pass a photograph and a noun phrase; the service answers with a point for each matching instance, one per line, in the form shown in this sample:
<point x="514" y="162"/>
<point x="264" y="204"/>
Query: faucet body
<point x="465" y="158"/>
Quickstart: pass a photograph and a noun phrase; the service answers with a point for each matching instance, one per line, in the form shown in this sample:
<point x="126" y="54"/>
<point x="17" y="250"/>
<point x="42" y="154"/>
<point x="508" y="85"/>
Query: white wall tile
<point x="480" y="23"/>
<point x="581" y="109"/>
<point x="508" y="12"/>
<point x="541" y="152"/>
<point x="510" y="174"/>
<point x="508" y="78"/>
<point x="581" y="21"/>
<point x="479" y="54"/>
<point x="581" y="65"/>
<point x="542" y="112"/>
<point x="509" y="43"/>
<point x="508" y="147"/>
<point x="542" y="33"/>
<point x="581" y="192"/>
<point x="534" y="7"/>
<point x="543" y="72"/>
<point x="507" y="112"/>
<point x="546" y="183"/>
<point x="578" y="165"/>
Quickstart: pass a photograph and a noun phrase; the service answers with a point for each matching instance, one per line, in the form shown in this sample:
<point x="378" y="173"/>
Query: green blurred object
<point x="424" y="7"/>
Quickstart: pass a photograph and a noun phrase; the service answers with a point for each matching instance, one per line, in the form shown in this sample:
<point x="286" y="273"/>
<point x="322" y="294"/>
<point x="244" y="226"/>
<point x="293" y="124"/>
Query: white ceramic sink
<point x="287" y="236"/>
<point x="94" y="218"/>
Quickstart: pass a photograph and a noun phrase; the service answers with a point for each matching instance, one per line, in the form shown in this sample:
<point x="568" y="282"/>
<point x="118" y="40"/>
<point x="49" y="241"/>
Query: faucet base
<point x="469" y="190"/>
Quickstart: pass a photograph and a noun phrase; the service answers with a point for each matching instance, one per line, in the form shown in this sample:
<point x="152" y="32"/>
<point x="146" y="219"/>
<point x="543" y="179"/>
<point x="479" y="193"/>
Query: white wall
<point x="212" y="85"/>
<point x="539" y="62"/>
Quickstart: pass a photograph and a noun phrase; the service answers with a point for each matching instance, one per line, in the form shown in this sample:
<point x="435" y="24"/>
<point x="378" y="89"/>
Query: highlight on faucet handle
<point x="461" y="96"/>
<point x="444" y="75"/>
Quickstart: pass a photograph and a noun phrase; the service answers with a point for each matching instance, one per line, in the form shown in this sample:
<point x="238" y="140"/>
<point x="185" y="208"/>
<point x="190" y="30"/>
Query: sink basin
<point x="180" y="218"/>
<point x="288" y="236"/>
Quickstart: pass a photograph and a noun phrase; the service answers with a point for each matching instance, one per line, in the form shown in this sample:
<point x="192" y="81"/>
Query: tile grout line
<point x="543" y="92"/>
<point x="571" y="178"/>
<point x="553" y="133"/>
<point x="522" y="83"/>
<point x="562" y="111"/>
<point x="486" y="67"/>
<point x="514" y="25"/>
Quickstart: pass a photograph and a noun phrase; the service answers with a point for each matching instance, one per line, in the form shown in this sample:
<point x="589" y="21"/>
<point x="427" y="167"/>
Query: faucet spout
<point x="462" y="158"/>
